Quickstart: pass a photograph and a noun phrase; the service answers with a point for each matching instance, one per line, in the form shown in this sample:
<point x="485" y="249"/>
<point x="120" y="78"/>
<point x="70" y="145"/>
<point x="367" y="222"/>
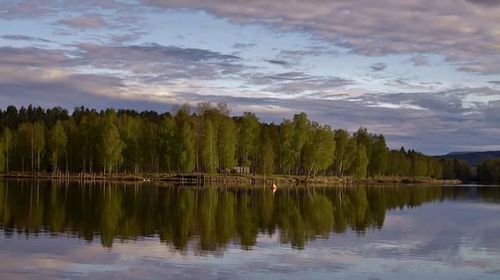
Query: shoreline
<point x="200" y="178"/>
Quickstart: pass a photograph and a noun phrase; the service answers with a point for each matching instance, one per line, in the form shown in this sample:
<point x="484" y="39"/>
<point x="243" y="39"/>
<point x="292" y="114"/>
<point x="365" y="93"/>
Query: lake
<point x="142" y="231"/>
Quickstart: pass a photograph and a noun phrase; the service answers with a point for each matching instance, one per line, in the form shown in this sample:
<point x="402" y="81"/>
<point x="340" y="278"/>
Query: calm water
<point x="143" y="231"/>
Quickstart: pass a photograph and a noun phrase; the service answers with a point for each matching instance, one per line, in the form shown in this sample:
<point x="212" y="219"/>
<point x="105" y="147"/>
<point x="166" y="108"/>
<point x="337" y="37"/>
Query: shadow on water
<point x="212" y="218"/>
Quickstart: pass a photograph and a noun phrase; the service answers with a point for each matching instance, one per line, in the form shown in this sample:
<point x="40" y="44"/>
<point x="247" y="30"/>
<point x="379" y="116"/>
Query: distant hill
<point x="472" y="157"/>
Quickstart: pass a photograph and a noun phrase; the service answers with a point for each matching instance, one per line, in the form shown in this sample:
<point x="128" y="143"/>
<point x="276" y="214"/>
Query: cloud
<point x="423" y="121"/>
<point x="154" y="63"/>
<point x="462" y="31"/>
<point x="26" y="9"/>
<point x="287" y="84"/>
<point x="121" y="72"/>
<point x="243" y="46"/>
<point x="127" y="38"/>
<point x="379" y="66"/>
<point x="90" y="21"/>
<point x="40" y="87"/>
<point x="277" y="62"/>
<point x="485" y="2"/>
<point x="157" y="77"/>
<point x="59" y="87"/>
<point x="120" y="76"/>
<point x="311" y="51"/>
<point x="19" y="37"/>
<point x="426" y="121"/>
<point x="419" y="60"/>
<point x="450" y="28"/>
<point x="32" y="57"/>
<point x="296" y="56"/>
<point x="290" y="76"/>
<point x="35" y="75"/>
<point x="43" y="8"/>
<point x="152" y="53"/>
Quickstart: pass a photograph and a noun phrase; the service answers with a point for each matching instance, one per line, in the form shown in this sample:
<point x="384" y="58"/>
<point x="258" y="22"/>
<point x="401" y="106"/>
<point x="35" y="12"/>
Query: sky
<point x="424" y="73"/>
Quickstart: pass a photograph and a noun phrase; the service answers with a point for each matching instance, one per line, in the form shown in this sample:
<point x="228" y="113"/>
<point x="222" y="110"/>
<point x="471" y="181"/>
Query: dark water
<point x="53" y="231"/>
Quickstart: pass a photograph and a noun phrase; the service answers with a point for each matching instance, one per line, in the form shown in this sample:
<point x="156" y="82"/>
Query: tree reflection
<point x="208" y="218"/>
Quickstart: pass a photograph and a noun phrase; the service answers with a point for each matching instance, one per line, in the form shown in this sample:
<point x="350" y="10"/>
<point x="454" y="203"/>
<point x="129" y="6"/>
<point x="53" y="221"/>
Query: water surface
<point x="124" y="231"/>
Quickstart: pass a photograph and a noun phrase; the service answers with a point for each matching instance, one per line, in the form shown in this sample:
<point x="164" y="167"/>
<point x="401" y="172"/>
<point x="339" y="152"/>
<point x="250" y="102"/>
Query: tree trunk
<point x="38" y="161"/>
<point x="32" y="152"/>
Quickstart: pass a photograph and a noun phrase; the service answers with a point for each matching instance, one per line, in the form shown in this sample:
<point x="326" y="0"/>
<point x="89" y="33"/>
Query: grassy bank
<point x="229" y="179"/>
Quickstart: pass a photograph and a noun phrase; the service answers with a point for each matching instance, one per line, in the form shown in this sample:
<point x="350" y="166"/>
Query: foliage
<point x="110" y="144"/>
<point x="2" y="156"/>
<point x="361" y="161"/>
<point x="319" y="151"/>
<point x="209" y="149"/>
<point x="227" y="143"/>
<point x="248" y="136"/>
<point x="266" y="154"/>
<point x="208" y="140"/>
<point x="7" y="143"/>
<point x="341" y="151"/>
<point x="489" y="170"/>
<point x="57" y="141"/>
<point x="185" y="157"/>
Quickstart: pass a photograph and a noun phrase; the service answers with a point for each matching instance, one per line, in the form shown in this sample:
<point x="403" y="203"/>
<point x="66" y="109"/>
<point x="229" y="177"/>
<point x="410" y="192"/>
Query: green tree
<point x="360" y="165"/>
<point x="266" y="155"/>
<point x="57" y="142"/>
<point x="2" y="156"/>
<point x="149" y="144"/>
<point x="167" y="136"/>
<point x="110" y="144"/>
<point x="247" y="141"/>
<point x="378" y="160"/>
<point x="130" y="132"/>
<point x="349" y="159"/>
<point x="38" y="142"/>
<point x="286" y="154"/>
<point x="341" y="152"/>
<point x="364" y="138"/>
<point x="319" y="150"/>
<point x="489" y="170"/>
<point x="24" y="145"/>
<point x="209" y="150"/>
<point x="227" y="143"/>
<point x="86" y="142"/>
<point x="128" y="140"/>
<point x="7" y="141"/>
<point x="301" y="135"/>
<point x="71" y="154"/>
<point x="185" y="151"/>
<point x="31" y="137"/>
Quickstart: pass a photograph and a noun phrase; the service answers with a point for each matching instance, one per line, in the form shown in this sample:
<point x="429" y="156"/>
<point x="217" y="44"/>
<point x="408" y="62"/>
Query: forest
<point x="203" y="139"/>
<point x="489" y="170"/>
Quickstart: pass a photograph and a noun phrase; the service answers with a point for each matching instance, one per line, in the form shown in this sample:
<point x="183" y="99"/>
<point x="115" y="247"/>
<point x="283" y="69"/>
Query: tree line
<point x="489" y="170"/>
<point x="200" y="139"/>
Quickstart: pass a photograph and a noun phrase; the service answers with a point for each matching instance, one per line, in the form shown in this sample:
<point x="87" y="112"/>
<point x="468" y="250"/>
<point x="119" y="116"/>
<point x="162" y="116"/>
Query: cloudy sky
<point x="425" y="73"/>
